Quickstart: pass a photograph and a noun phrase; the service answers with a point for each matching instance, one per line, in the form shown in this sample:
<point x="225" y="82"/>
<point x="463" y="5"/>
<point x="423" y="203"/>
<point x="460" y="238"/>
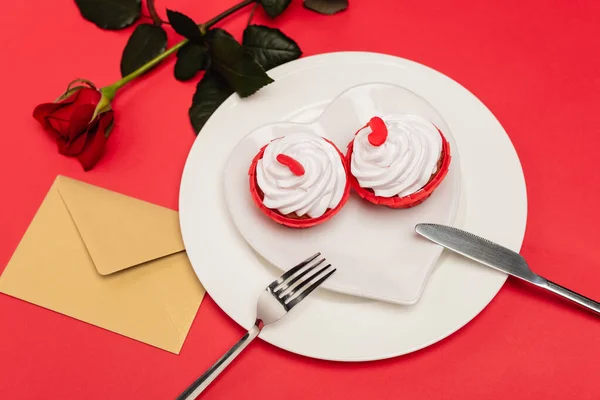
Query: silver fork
<point x="274" y="302"/>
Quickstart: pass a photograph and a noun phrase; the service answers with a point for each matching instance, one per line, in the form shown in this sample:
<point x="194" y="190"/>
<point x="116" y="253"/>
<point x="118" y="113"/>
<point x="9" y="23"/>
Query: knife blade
<point x="498" y="257"/>
<point x="478" y="249"/>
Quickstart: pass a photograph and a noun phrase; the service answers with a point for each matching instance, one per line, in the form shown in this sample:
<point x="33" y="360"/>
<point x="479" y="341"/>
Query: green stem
<point x="251" y="14"/>
<point x="155" y="61"/>
<point x="109" y="92"/>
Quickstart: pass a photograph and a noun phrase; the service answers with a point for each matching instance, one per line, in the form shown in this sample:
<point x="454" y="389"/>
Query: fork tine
<point x="302" y="272"/>
<point x="292" y="271"/>
<point x="302" y="290"/>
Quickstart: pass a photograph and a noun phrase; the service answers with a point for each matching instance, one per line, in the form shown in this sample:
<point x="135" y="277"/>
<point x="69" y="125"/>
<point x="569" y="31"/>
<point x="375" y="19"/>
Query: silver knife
<point x="498" y="257"/>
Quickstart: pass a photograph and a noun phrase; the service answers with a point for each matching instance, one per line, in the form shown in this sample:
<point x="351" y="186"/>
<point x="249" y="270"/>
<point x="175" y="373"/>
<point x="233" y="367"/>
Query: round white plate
<point x="329" y="325"/>
<point x="375" y="249"/>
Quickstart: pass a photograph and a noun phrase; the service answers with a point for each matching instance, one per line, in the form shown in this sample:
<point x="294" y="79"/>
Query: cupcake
<point x="397" y="161"/>
<point x="299" y="180"/>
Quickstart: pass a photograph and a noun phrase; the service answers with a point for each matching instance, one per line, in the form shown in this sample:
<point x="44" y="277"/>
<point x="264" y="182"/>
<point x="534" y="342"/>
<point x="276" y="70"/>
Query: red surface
<point x="535" y="64"/>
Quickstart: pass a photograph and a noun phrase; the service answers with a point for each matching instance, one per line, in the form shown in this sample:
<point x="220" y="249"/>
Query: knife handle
<point x="574" y="297"/>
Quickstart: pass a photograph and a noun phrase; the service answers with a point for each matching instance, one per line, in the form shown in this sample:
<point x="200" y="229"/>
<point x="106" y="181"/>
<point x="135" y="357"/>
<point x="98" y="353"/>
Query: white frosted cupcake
<point x="299" y="180"/>
<point x="397" y="161"/>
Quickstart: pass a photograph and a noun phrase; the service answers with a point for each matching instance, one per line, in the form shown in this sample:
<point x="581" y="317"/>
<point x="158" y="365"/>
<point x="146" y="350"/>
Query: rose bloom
<point x="78" y="133"/>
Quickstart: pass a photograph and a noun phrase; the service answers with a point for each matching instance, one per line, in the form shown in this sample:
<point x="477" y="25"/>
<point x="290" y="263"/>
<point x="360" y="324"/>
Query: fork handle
<point x="210" y="375"/>
<point x="573" y="296"/>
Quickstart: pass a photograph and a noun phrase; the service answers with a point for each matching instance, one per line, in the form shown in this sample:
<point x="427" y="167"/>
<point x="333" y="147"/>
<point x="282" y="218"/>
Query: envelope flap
<point x="119" y="231"/>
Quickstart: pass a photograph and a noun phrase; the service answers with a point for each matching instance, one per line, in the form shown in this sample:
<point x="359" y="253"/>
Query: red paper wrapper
<point x="286" y="220"/>
<point x="411" y="200"/>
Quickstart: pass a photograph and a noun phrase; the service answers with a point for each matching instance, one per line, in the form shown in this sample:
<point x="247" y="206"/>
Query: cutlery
<point x="274" y="303"/>
<point x="498" y="257"/>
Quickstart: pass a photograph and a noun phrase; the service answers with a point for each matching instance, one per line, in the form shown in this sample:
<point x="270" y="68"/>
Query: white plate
<point x="375" y="249"/>
<point x="329" y="325"/>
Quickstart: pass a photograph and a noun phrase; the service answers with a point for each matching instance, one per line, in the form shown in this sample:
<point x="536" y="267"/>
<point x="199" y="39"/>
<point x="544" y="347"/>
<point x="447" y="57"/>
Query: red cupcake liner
<point x="412" y="199"/>
<point x="257" y="196"/>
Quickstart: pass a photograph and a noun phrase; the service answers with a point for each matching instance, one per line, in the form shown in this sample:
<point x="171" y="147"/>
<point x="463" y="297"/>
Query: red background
<point x="535" y="64"/>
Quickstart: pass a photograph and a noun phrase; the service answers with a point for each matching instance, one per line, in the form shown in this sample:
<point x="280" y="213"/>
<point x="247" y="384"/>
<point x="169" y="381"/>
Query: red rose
<point x="72" y="120"/>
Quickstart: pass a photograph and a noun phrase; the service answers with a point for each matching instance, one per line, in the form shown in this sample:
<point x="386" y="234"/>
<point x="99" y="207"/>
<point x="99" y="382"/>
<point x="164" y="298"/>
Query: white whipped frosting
<point x="404" y="163"/>
<point x="320" y="188"/>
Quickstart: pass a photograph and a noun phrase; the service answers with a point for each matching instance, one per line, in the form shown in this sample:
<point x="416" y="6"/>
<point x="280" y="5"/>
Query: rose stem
<point x="204" y="27"/>
<point x="110" y="91"/>
<point x="251" y="14"/>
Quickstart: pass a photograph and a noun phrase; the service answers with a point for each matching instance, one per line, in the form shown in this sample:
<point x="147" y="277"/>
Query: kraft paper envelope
<point x="110" y="260"/>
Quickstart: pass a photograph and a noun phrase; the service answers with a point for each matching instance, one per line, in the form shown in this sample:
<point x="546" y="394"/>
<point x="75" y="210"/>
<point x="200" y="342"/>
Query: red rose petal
<point x="293" y="164"/>
<point x="65" y="113"/>
<point x="72" y="121"/>
<point x="78" y="129"/>
<point x="80" y="119"/>
<point x="81" y="96"/>
<point x="70" y="99"/>
<point x="56" y="117"/>
<point x="59" y="125"/>
<point x="379" y="132"/>
<point x="72" y="148"/>
<point x="94" y="147"/>
<point x="42" y="111"/>
<point x="88" y="96"/>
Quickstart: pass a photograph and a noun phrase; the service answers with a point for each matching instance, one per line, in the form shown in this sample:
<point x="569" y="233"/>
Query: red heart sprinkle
<point x="379" y="131"/>
<point x="294" y="166"/>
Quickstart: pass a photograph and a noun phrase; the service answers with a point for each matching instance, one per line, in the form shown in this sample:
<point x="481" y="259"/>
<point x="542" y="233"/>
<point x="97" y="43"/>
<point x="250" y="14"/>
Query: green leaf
<point x="274" y="7"/>
<point x="269" y="46"/>
<point x="327" y="7"/>
<point x="185" y="26"/>
<point x="211" y="91"/>
<point x="191" y="59"/>
<point x="235" y="64"/>
<point x="146" y="42"/>
<point x="110" y="14"/>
